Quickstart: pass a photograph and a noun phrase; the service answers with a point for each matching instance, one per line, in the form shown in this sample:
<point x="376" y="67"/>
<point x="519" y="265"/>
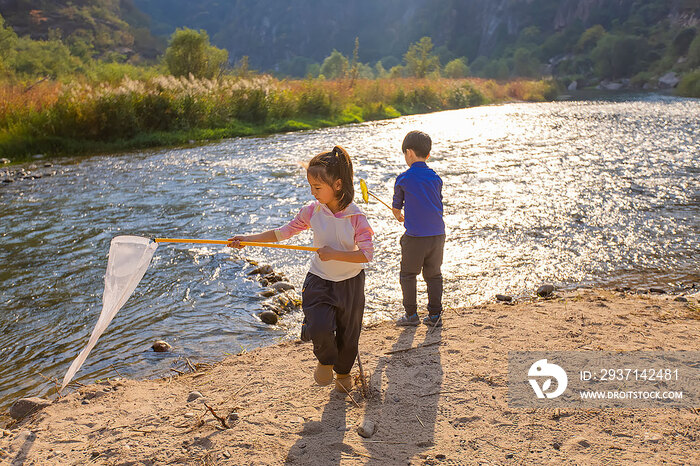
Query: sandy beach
<point x="436" y="397"/>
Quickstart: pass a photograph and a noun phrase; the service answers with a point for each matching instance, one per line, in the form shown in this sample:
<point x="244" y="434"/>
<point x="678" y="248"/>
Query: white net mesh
<point x="129" y="257"/>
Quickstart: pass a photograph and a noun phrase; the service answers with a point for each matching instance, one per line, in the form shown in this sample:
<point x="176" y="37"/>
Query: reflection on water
<point x="567" y="192"/>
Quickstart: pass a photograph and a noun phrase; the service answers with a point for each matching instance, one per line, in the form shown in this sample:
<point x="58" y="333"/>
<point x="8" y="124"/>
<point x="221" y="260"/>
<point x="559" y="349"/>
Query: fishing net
<point x="129" y="258"/>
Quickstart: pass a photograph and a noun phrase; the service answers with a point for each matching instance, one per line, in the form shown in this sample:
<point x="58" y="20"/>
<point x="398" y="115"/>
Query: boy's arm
<point x="397" y="203"/>
<point x="397" y="214"/>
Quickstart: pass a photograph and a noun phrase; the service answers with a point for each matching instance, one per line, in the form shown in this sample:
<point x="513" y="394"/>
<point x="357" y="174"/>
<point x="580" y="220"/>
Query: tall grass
<point x="54" y="118"/>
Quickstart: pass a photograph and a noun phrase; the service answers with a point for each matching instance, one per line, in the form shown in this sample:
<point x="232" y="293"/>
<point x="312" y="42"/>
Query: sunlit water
<point x="572" y="193"/>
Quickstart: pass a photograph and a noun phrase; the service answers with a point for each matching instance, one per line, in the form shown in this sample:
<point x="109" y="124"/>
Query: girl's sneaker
<point x="433" y="321"/>
<point x="408" y="321"/>
<point x="343" y="383"/>
<point x="323" y="375"/>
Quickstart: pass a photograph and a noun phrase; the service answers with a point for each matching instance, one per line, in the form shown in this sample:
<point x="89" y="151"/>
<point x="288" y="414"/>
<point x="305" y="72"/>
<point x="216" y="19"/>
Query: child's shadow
<point x="321" y="441"/>
<point x="406" y="406"/>
<point x="405" y="386"/>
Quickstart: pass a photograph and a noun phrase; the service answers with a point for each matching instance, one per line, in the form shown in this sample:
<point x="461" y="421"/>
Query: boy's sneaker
<point x="433" y="321"/>
<point x="408" y="321"/>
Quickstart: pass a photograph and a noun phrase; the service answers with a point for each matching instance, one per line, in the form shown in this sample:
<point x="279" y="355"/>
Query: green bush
<point x="690" y="85"/>
<point x="465" y="96"/>
<point x="250" y="105"/>
<point x="314" y="101"/>
<point x="421" y="100"/>
<point x="457" y="68"/>
<point x="378" y="111"/>
<point x="693" y="58"/>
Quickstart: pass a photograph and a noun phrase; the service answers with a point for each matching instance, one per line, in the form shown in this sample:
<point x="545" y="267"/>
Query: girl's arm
<point x="296" y="226"/>
<point x="265" y="237"/>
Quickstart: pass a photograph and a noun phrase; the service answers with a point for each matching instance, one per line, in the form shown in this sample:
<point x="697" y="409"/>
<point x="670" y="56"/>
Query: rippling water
<point x="593" y="192"/>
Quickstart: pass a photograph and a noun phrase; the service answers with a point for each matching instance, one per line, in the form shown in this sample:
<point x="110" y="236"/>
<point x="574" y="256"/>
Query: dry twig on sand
<point x="220" y="419"/>
<point x="189" y="363"/>
<point x="55" y="381"/>
<point x="115" y="370"/>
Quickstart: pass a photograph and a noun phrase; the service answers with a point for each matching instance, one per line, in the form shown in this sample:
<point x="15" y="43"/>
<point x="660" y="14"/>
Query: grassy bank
<point x="52" y="118"/>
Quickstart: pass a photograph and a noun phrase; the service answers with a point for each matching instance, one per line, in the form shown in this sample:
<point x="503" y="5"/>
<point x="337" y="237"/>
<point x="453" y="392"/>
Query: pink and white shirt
<point x="347" y="230"/>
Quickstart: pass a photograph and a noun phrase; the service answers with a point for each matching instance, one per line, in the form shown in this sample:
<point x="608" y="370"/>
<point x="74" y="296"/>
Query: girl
<point x="333" y="294"/>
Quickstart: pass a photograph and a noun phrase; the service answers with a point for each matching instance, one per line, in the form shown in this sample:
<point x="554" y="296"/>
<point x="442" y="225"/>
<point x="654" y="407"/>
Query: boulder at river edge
<point x="668" y="81"/>
<point x="545" y="291"/>
<point x="26" y="406"/>
<point x="269" y="317"/>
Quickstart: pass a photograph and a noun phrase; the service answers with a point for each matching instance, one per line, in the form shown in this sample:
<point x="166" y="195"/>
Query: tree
<point x="355" y="64"/>
<point x="616" y="56"/>
<point x="590" y="38"/>
<point x="189" y="51"/>
<point x="8" y="42"/>
<point x="335" y="65"/>
<point x="43" y="58"/>
<point x="457" y="68"/>
<point x="379" y="70"/>
<point x="419" y="61"/>
<point x="525" y="64"/>
<point x="682" y="41"/>
<point x="694" y="53"/>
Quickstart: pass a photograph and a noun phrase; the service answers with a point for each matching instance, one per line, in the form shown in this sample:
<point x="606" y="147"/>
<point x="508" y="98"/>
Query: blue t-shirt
<point x="419" y="191"/>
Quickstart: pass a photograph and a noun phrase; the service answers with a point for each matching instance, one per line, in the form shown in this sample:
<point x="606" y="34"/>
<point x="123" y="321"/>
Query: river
<point x="574" y="193"/>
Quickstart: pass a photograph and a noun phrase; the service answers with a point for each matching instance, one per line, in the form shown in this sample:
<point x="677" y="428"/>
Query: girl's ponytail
<point x="332" y="166"/>
<point x="347" y="192"/>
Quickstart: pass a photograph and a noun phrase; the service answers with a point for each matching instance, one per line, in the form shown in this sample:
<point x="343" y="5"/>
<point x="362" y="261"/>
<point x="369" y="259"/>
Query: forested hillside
<point x="108" y="29"/>
<point x="573" y="39"/>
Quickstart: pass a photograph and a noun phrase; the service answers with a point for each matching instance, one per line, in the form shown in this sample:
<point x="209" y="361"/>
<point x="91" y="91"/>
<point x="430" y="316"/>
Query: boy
<point x="418" y="191"/>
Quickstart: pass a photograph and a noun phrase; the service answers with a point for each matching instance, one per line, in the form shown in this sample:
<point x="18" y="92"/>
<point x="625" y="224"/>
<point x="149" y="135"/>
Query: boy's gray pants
<point x="333" y="315"/>
<point x="422" y="253"/>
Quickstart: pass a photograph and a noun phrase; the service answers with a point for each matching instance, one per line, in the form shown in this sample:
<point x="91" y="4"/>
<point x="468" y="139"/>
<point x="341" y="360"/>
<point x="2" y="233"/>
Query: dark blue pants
<point x="421" y="253"/>
<point x="333" y="315"/>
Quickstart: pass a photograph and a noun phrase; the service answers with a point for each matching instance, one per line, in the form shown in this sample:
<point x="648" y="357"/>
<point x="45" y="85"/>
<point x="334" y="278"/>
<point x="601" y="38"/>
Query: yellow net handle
<point x="226" y="242"/>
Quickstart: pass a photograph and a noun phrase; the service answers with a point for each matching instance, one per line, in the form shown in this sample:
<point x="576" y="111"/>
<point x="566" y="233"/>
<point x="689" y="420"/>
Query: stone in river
<point x="262" y="270"/>
<point x="504" y="298"/>
<point x="545" y="290"/>
<point x="269" y="317"/>
<point x="160" y="346"/>
<point x="282" y="286"/>
<point x="268" y="293"/>
<point x="273" y="278"/>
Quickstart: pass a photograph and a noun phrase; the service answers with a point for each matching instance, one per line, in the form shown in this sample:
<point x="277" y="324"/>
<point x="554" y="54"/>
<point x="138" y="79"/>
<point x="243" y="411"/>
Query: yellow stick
<point x="243" y="243"/>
